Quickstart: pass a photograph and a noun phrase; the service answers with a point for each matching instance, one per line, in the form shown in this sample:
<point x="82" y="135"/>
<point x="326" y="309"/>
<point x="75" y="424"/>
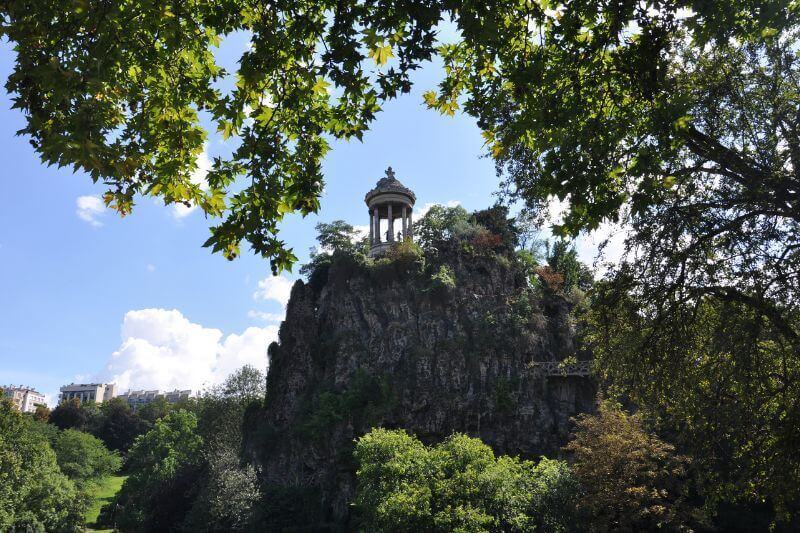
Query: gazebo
<point x="388" y="201"/>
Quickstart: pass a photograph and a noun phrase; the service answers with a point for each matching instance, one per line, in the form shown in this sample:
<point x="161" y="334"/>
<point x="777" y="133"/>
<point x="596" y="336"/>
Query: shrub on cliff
<point x="458" y="485"/>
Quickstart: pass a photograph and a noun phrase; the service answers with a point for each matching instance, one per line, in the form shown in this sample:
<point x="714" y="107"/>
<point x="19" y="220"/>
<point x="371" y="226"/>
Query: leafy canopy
<point x="84" y="458"/>
<point x="34" y="494"/>
<point x="458" y="485"/>
<point x="631" y="480"/>
<point x="587" y="98"/>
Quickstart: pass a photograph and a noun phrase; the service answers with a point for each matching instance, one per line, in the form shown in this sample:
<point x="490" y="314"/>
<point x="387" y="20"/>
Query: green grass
<point x="102" y="493"/>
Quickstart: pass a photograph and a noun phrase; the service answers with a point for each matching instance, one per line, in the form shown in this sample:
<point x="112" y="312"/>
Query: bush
<point x="444" y="278"/>
<point x="84" y="458"/>
<point x="458" y="485"/>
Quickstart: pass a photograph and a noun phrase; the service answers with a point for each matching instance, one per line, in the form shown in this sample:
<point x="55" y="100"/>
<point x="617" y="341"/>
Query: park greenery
<point x="676" y="119"/>
<point x="684" y="461"/>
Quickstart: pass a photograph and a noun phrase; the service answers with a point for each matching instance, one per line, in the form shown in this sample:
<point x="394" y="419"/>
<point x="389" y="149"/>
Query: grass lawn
<point x="101" y="494"/>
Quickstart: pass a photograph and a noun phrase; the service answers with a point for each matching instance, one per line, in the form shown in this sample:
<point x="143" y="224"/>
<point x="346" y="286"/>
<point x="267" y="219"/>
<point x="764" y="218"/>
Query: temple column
<point x="377" y="228"/>
<point x="391" y="224"/>
<point x="405" y="223"/>
<point x="371" y="229"/>
<point x="410" y="223"/>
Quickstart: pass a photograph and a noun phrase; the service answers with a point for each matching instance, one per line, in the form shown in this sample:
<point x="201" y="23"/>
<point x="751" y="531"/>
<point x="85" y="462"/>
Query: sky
<point x="88" y="296"/>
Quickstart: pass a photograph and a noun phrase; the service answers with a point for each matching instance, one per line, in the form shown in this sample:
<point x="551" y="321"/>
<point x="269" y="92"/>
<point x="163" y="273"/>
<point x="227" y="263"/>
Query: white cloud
<point x="90" y="208"/>
<point x="277" y="288"/>
<point x="266" y="317"/>
<point x="150" y="267"/>
<point x="361" y="232"/>
<point x="422" y="211"/>
<point x="198" y="177"/>
<point x="162" y="349"/>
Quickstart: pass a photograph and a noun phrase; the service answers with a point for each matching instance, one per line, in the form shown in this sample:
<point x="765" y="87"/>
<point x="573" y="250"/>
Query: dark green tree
<point x="119" y="425"/>
<point x="720" y="378"/>
<point x="69" y="414"/>
<point x="154" y="410"/>
<point x="164" y="466"/>
<point x="563" y="259"/>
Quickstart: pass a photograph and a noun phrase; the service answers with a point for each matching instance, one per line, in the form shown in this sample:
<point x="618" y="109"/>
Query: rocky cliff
<point x="442" y="343"/>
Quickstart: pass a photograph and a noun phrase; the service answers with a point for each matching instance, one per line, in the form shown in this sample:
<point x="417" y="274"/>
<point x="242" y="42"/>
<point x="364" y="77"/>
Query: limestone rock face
<point x="391" y="345"/>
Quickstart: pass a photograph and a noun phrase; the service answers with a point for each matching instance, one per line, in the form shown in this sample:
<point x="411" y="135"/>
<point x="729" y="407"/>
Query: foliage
<point x="245" y="384"/>
<point x="42" y="413"/>
<point x="228" y="497"/>
<point x="336" y="237"/>
<point x="439" y="223"/>
<point x="363" y="403"/>
<point x="84" y="458"/>
<point x="34" y="494"/>
<point x="597" y="104"/>
<point x="495" y="220"/>
<point x="186" y="472"/>
<point x="631" y="480"/>
<point x="119" y="425"/>
<point x="721" y="377"/>
<point x="444" y="278"/>
<point x="409" y="253"/>
<point x="563" y="259"/>
<point x="163" y="471"/>
<point x="113" y="422"/>
<point x="153" y="410"/>
<point x="458" y="485"/>
<point x="69" y="414"/>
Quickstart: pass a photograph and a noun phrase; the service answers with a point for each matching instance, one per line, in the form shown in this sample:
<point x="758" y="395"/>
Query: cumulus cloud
<point x="422" y="211"/>
<point x="198" y="177"/>
<point x="90" y="209"/>
<point x="162" y="349"/>
<point x="266" y="317"/>
<point x="276" y="288"/>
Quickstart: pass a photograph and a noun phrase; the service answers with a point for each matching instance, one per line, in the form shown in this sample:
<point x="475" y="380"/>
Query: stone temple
<point x="389" y="200"/>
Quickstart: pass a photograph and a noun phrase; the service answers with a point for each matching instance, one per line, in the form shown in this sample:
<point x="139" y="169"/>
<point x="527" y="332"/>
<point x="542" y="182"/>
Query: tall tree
<point x="631" y="480"/>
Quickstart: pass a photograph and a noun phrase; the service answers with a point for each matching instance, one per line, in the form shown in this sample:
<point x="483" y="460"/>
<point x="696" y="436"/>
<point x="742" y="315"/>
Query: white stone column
<point x="405" y="223"/>
<point x="391" y="224"/>
<point x="371" y="229"/>
<point x="377" y="221"/>
<point x="410" y="223"/>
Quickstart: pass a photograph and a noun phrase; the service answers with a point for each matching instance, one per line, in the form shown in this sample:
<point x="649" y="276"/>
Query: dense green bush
<point x="458" y="485"/>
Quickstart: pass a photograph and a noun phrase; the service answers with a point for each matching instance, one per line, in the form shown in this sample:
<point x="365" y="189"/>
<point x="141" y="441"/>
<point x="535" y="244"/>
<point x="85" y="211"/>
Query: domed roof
<point x="390" y="184"/>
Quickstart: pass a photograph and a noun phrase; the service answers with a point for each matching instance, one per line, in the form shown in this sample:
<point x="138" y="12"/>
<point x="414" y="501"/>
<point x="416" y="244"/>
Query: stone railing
<point x="559" y="368"/>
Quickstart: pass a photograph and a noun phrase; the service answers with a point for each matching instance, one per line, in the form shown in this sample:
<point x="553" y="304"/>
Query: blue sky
<point x="80" y="285"/>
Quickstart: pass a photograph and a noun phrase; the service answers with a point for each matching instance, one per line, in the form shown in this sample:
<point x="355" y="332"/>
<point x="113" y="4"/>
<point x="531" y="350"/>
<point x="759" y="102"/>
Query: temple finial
<point x="390" y="173"/>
